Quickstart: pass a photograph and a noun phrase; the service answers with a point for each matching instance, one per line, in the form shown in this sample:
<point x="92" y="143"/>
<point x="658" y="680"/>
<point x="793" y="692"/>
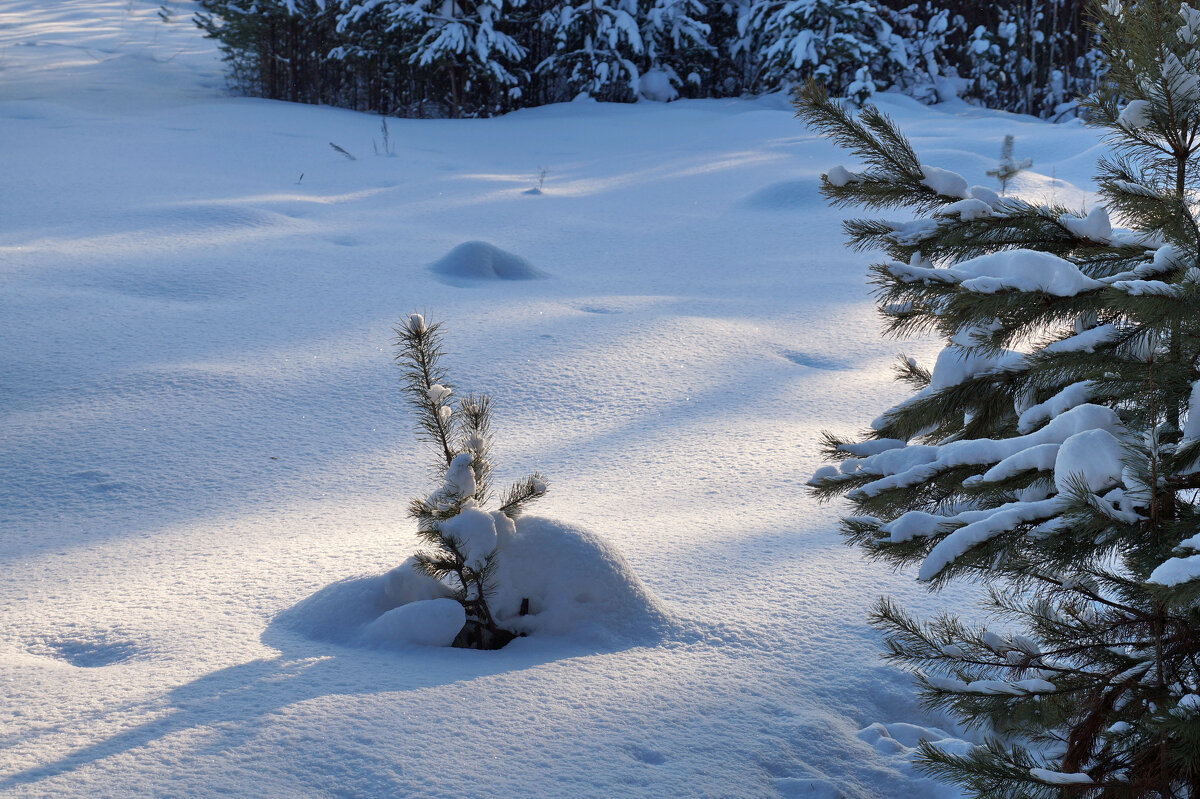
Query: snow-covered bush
<point x="460" y="535"/>
<point x="1052" y="450"/>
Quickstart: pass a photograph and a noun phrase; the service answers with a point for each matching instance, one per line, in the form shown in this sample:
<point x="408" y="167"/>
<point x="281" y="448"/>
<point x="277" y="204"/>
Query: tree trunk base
<point x="474" y="635"/>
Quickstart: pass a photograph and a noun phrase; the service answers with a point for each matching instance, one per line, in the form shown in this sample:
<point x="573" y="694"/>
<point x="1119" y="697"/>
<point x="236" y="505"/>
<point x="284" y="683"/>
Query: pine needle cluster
<point x="459" y="537"/>
<point x="1052" y="453"/>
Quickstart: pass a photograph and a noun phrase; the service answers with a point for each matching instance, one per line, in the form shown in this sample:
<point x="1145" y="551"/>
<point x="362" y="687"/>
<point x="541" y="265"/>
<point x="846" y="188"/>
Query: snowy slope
<point x="200" y="427"/>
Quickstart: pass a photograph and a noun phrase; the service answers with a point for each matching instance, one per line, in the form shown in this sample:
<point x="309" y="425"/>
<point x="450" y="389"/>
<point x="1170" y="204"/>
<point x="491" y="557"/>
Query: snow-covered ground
<point x="200" y="427"/>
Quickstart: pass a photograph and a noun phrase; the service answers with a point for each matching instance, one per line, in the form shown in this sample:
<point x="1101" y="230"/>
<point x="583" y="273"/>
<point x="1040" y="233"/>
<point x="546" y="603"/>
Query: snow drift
<point x="478" y="260"/>
<point x="577" y="585"/>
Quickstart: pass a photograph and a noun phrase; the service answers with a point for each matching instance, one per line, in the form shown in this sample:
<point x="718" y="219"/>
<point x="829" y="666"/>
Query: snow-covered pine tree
<point x="923" y="28"/>
<point x="732" y="69"/>
<point x="790" y="41"/>
<point x="461" y="537"/>
<point x="462" y="51"/>
<point x="596" y="47"/>
<point x="677" y="48"/>
<point x="1032" y="57"/>
<point x="275" y="48"/>
<point x="1052" y="453"/>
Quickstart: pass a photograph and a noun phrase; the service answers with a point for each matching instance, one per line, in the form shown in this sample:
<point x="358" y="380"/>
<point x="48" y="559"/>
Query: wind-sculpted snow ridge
<point x="553" y="580"/>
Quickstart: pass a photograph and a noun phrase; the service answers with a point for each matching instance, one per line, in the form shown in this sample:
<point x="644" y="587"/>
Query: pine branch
<point x="522" y="493"/>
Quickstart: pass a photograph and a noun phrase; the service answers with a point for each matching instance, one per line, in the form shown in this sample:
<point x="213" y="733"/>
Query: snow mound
<point x="656" y="85"/>
<point x="901" y="739"/>
<point x="362" y="611"/>
<point x="576" y="582"/>
<point x="426" y="622"/>
<point x="479" y="260"/>
<point x="784" y="195"/>
<point x="577" y="585"/>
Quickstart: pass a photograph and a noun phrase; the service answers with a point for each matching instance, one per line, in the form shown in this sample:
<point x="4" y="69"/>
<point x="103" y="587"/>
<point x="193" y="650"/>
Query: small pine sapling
<point x="460" y="537"/>
<point x="1009" y="167"/>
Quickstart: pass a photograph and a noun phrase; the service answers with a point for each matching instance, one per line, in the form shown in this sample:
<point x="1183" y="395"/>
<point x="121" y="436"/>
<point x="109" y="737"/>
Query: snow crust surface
<point x="203" y="448"/>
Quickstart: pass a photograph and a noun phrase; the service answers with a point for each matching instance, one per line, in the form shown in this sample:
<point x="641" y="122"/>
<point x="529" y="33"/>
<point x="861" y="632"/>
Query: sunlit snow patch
<point x="475" y="261"/>
<point x="577" y="586"/>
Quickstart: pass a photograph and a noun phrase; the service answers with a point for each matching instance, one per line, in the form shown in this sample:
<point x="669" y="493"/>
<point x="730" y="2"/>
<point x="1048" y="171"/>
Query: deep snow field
<point x="201" y="426"/>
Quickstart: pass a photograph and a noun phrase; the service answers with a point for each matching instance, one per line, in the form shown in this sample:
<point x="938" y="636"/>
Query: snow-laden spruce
<point x="1052" y="451"/>
<point x="596" y="45"/>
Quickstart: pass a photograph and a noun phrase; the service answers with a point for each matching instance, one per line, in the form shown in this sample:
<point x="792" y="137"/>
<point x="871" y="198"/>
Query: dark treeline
<point x="436" y="58"/>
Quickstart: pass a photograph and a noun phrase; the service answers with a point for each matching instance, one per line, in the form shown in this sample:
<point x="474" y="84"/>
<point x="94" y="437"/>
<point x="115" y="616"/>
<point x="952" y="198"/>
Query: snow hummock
<point x="426" y="622"/>
<point x="400" y="608"/>
<point x="479" y="260"/>
<point x="655" y="85"/>
<point x="577" y="584"/>
<point x="901" y="738"/>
